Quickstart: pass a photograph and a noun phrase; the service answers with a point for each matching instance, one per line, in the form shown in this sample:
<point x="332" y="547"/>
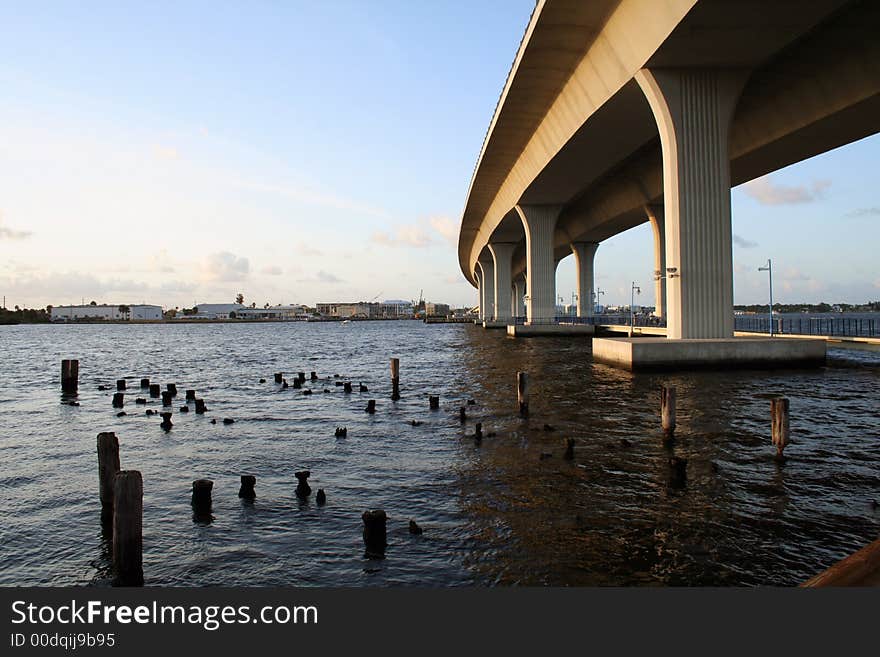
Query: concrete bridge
<point x="620" y="112"/>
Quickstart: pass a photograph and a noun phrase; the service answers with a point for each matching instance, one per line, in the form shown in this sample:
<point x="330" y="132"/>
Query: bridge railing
<point x="845" y="327"/>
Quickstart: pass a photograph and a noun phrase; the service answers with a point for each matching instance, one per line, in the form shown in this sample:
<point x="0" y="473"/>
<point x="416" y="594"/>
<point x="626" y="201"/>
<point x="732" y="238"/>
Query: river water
<point x="492" y="513"/>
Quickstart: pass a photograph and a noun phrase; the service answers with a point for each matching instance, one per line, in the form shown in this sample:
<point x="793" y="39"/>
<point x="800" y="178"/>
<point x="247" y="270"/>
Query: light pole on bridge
<point x="769" y="269"/>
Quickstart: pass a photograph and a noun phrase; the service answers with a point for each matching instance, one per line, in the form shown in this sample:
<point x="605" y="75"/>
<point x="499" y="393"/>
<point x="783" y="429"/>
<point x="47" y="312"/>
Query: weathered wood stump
<point x="200" y="406"/>
<point x="433" y="402"/>
<point x="190" y="395"/>
<point x="321" y="497"/>
<point x="371" y="406"/>
<point x="155" y="389"/>
<point x="522" y="393"/>
<point x="779" y="425"/>
<point x="313" y="376"/>
<point x="346" y="387"/>
<point x="478" y="431"/>
<point x="279" y="376"/>
<point x="462" y="415"/>
<point x="568" y="455"/>
<point x="128" y="513"/>
<point x="145" y="383"/>
<point x="375" y="533"/>
<point x="69" y="375"/>
<point x="120" y="384"/>
<point x="172" y="389"/>
<point x="303" y="490"/>
<point x="108" y="467"/>
<point x="667" y="411"/>
<point x="248" y="482"/>
<point x="201" y="495"/>
<point x="395" y="379"/>
<point x="677" y="472"/>
<point x="118" y="399"/>
<point x="166" y="421"/>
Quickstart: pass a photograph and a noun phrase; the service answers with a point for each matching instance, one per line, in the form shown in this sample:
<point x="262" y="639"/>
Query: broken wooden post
<point x="201" y="495"/>
<point x="371" y="406"/>
<point x="200" y="406"/>
<point x="118" y="399"/>
<point x="375" y="535"/>
<point x="568" y="455"/>
<point x="779" y="424"/>
<point x="313" y="376"/>
<point x="128" y="518"/>
<point x="677" y="472"/>
<point x="321" y="497"/>
<point x="395" y="379"/>
<point x="462" y="415"/>
<point x="108" y="467"/>
<point x="167" y="398"/>
<point x="433" y="402"/>
<point x="69" y="375"/>
<point x="145" y="383"/>
<point x="248" y="482"/>
<point x="667" y="410"/>
<point x="522" y="393"/>
<point x="166" y="421"/>
<point x="303" y="490"/>
<point x="301" y="376"/>
<point x="279" y="376"/>
<point x="155" y="390"/>
<point x="172" y="389"/>
<point x="190" y="395"/>
<point x="478" y="432"/>
<point x="297" y="383"/>
<point x="120" y="384"/>
<point x="346" y="387"/>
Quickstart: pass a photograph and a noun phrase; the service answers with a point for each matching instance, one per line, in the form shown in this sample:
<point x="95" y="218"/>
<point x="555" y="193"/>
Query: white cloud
<point x="322" y="277"/>
<point x="11" y="234"/>
<point x="743" y="243"/>
<point x="767" y="192"/>
<point x="864" y="212"/>
<point x="225" y="266"/>
<point x="448" y="228"/>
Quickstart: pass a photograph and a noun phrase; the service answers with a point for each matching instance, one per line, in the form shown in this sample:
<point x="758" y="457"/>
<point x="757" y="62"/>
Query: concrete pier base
<point x="666" y="354"/>
<point x="530" y="330"/>
<point x="492" y="324"/>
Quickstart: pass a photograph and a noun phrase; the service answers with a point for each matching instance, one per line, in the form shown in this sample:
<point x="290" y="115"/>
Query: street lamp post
<point x="632" y="300"/>
<point x="599" y="291"/>
<point x="769" y="270"/>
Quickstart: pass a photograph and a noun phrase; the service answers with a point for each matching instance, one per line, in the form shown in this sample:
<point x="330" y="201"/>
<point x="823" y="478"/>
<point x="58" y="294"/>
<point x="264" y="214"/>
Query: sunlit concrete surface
<point x="532" y="330"/>
<point x="649" y="353"/>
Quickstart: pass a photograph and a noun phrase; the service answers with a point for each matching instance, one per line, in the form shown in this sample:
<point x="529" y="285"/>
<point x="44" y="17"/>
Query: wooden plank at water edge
<point x="859" y="569"/>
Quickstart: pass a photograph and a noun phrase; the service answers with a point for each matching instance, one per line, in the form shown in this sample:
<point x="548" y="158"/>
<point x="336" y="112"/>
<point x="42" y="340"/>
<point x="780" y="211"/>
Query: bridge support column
<point x="502" y="255"/>
<point x="539" y="222"/>
<point x="519" y="291"/>
<point x="655" y="216"/>
<point x="584" y="255"/>
<point x="693" y="110"/>
<point x="478" y="274"/>
<point x="487" y="289"/>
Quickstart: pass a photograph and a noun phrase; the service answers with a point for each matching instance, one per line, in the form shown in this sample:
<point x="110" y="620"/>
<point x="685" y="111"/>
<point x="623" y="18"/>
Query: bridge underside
<point x="725" y="93"/>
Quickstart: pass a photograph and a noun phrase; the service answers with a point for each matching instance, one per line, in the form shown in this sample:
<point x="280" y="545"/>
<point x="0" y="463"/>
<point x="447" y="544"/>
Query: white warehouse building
<point x="105" y="311"/>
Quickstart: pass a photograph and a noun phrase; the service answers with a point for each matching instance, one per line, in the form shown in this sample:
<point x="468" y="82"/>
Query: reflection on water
<point x="506" y="510"/>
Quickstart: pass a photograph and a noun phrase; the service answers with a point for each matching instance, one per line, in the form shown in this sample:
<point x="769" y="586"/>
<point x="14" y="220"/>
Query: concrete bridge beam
<point x="584" y="256"/>
<point x="502" y="256"/>
<point x="539" y="222"/>
<point x="658" y="227"/>
<point x="693" y="109"/>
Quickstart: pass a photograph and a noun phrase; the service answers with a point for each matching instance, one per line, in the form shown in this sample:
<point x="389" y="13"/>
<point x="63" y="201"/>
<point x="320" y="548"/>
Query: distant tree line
<point x="25" y="315"/>
<point x="870" y="306"/>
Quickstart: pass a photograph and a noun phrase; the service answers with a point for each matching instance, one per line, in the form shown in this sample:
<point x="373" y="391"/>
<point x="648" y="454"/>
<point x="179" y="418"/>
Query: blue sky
<point x="299" y="152"/>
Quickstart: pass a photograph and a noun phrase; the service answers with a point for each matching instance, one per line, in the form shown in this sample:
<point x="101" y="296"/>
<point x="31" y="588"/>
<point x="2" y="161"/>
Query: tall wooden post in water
<point x="108" y="468"/>
<point x="69" y="375"/>
<point x="667" y="410"/>
<point x="395" y="379"/>
<point x="522" y="393"/>
<point x="779" y="424"/>
<point x="128" y="518"/>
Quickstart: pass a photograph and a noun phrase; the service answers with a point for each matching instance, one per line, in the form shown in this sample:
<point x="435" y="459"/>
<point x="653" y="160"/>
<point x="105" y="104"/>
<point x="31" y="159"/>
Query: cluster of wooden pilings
<point x="779" y="423"/>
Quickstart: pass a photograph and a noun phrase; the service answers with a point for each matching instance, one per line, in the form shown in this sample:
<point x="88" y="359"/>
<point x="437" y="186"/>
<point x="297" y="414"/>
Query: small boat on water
<point x="346" y="321"/>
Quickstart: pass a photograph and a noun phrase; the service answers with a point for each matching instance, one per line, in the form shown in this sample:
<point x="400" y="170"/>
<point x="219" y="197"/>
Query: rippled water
<point x="494" y="513"/>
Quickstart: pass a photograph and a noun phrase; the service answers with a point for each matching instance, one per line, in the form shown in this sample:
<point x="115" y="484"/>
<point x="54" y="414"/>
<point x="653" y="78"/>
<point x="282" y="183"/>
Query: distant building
<point x="141" y="312"/>
<point x="395" y="308"/>
<point x="361" y="309"/>
<point x="288" y="312"/>
<point x="432" y="308"/>
<point x="217" y="310"/>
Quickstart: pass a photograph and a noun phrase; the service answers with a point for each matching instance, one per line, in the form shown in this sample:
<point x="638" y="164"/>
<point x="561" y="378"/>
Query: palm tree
<point x="124" y="311"/>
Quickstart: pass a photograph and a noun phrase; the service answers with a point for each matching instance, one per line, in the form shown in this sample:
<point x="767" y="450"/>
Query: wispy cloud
<point x="271" y="270"/>
<point x="420" y="234"/>
<point x="743" y="243"/>
<point x="316" y="197"/>
<point x="322" y="277"/>
<point x="11" y="234"/>
<point x="864" y="212"/>
<point x="225" y="266"/>
<point x="448" y="228"/>
<point x="767" y="192"/>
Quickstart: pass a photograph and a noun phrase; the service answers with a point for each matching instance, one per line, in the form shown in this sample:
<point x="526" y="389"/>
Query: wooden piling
<point x="166" y="422"/>
<point x="145" y="383"/>
<point x="677" y="472"/>
<point x="128" y="512"/>
<point x="190" y="395"/>
<point x="201" y="494"/>
<point x="462" y="415"/>
<point x="108" y="467"/>
<point x="371" y="406"/>
<point x="279" y="376"/>
<point x="200" y="406"/>
<point x="303" y="490"/>
<point x="667" y="410"/>
<point x="172" y="389"/>
<point x="155" y="390"/>
<point x="375" y="533"/>
<point x="395" y="379"/>
<point x="313" y="376"/>
<point x="478" y="432"/>
<point x="120" y="384"/>
<point x="248" y="482"/>
<point x="568" y="455"/>
<point x="118" y="399"/>
<point x="69" y="375"/>
<point x="522" y="393"/>
<point x="346" y="387"/>
<point x="167" y="398"/>
<point x="433" y="402"/>
<point x="779" y="424"/>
